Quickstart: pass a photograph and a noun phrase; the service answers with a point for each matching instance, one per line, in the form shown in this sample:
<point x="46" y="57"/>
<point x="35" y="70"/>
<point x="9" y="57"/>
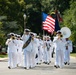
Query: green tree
<point x="14" y="10"/>
<point x="33" y="12"/>
<point x="11" y="17"/>
<point x="70" y="20"/>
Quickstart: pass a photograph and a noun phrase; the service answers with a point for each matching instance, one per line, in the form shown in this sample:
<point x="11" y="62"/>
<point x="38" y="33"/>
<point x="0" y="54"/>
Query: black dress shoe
<point x="48" y="63"/>
<point x="65" y="63"/>
<point x="30" y="67"/>
<point x="55" y="66"/>
<point x="9" y="67"/>
<point x="24" y="67"/>
<point x="17" y="65"/>
<point x="37" y="63"/>
<point x="45" y="62"/>
<point x="58" y="66"/>
<point x="68" y="63"/>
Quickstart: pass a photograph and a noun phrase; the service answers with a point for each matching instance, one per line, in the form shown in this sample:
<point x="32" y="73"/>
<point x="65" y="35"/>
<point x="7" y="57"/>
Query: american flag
<point x="48" y="23"/>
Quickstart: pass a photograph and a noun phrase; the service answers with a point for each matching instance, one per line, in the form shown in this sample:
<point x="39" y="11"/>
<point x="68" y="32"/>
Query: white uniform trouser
<point x="36" y="59"/>
<point x="25" y="64"/>
<point x="12" y="60"/>
<point x="59" y="58"/>
<point x="39" y="55"/>
<point x="51" y="50"/>
<point x="44" y="55"/>
<point x="48" y="56"/>
<point x="67" y="56"/>
<point x="29" y="59"/>
<point x="33" y="62"/>
<point x="19" y="58"/>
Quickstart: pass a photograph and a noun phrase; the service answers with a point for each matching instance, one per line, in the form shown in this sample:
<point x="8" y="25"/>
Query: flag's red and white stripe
<point x="49" y="24"/>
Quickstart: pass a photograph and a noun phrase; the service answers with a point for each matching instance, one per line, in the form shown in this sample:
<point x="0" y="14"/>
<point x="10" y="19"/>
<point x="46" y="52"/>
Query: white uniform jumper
<point x="19" y="52"/>
<point x="27" y="51"/>
<point x="48" y="50"/>
<point x="59" y="51"/>
<point x="67" y="51"/>
<point x="12" y="52"/>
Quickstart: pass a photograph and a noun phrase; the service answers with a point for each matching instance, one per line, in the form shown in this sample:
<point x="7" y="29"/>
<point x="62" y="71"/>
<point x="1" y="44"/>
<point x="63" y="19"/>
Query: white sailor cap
<point x="12" y="34"/>
<point x="35" y="34"/>
<point x="31" y="33"/>
<point x="27" y="30"/>
<point x="18" y="36"/>
<point x="58" y="31"/>
<point x="44" y="37"/>
<point x="48" y="36"/>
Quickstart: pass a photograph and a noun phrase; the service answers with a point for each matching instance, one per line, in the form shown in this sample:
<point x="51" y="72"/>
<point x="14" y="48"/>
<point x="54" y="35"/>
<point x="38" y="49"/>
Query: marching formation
<point x="30" y="50"/>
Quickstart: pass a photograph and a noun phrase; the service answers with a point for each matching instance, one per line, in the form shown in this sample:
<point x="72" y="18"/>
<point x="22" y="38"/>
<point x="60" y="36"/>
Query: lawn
<point x="73" y="54"/>
<point x="3" y="55"/>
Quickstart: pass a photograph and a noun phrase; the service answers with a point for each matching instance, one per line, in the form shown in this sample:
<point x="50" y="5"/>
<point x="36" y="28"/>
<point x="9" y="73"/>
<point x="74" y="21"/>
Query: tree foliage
<point x="70" y="20"/>
<point x="11" y="15"/>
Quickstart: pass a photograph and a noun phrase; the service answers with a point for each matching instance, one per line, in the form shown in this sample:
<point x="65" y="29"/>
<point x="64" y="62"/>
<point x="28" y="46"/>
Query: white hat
<point x="31" y="33"/>
<point x="27" y="30"/>
<point x="18" y="35"/>
<point x="12" y="34"/>
<point x="48" y="36"/>
<point x="58" y="31"/>
<point x="35" y="34"/>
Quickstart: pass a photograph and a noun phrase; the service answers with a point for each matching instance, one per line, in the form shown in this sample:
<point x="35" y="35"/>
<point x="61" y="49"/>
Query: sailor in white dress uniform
<point x="59" y="50"/>
<point x="12" y="52"/>
<point x="27" y="50"/>
<point x="68" y="49"/>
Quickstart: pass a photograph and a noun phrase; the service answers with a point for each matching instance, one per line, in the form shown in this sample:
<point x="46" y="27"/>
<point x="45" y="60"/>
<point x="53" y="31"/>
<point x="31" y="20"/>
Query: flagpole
<point x="43" y="34"/>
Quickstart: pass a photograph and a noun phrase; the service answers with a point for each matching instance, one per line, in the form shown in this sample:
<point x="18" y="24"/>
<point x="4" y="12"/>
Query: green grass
<point x="3" y="56"/>
<point x="73" y="54"/>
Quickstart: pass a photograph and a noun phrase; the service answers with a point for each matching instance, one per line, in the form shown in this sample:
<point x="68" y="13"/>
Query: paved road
<point x="42" y="69"/>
